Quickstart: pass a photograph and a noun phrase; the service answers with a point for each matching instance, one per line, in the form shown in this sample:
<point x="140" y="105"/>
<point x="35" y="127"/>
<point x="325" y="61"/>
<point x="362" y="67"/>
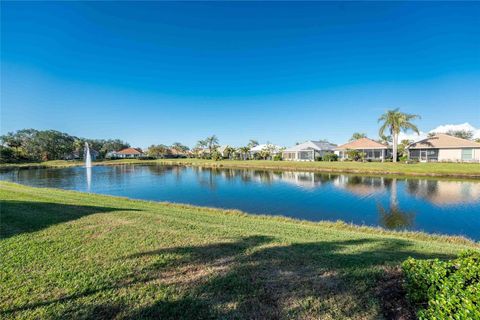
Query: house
<point x="126" y="153"/>
<point x="372" y="149"/>
<point x="222" y="150"/>
<point x="443" y="147"/>
<point x="273" y="149"/>
<point x="80" y="155"/>
<point x="308" y="151"/>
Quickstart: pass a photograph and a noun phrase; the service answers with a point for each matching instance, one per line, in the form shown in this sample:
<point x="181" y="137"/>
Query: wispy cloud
<point x="440" y="129"/>
<point x="463" y="126"/>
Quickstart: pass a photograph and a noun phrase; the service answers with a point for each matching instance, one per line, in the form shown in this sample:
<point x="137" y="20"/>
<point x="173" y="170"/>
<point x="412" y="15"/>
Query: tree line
<point x="44" y="145"/>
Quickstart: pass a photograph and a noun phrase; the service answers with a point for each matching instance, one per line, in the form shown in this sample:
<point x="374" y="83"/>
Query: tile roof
<point x="130" y="151"/>
<point x="441" y="140"/>
<point x="363" y="143"/>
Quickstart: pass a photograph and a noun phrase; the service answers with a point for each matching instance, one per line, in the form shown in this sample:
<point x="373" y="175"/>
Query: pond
<point x="432" y="205"/>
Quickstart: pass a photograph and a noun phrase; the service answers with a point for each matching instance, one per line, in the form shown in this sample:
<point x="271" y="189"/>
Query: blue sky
<point x="281" y="72"/>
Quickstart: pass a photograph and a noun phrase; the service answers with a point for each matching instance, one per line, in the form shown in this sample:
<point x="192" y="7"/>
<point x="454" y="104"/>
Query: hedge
<point x="445" y="289"/>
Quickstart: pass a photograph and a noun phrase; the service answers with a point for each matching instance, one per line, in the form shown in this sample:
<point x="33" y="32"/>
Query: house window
<point x="414" y="154"/>
<point x="467" y="154"/>
<point x="305" y="155"/>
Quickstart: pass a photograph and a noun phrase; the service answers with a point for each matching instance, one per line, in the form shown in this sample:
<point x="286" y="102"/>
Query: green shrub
<point x="330" y="157"/>
<point x="445" y="289"/>
<point x="217" y="156"/>
<point x="277" y="157"/>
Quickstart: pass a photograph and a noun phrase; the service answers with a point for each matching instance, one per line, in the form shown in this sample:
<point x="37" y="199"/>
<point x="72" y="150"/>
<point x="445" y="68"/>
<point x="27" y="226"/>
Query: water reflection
<point x="444" y="192"/>
<point x="433" y="205"/>
<point x="393" y="217"/>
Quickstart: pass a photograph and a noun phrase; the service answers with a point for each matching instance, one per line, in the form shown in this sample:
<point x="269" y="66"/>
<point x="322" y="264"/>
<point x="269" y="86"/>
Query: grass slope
<point x="417" y="169"/>
<point x="74" y="255"/>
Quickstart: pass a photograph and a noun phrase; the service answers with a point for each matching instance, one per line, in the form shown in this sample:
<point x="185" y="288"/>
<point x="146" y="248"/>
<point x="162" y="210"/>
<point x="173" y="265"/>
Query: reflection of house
<point x="373" y="150"/>
<point x="126" y="153"/>
<point x="443" y="147"/>
<point x="442" y="192"/>
<point x="301" y="179"/>
<point x="308" y="151"/>
<point x="362" y="186"/>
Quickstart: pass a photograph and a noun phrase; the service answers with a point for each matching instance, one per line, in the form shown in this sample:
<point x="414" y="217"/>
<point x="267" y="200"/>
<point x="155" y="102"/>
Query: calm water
<point x="440" y="206"/>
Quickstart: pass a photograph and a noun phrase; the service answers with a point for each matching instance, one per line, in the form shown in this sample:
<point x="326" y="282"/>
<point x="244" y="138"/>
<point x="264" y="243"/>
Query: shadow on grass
<point x="251" y="278"/>
<point x="29" y="216"/>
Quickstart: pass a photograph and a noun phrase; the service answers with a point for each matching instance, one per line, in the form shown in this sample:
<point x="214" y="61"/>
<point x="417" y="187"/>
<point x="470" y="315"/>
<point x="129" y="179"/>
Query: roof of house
<point x="441" y="140"/>
<point x="221" y="149"/>
<point x="260" y="147"/>
<point x="312" y="145"/>
<point x="362" y="143"/>
<point x="130" y="151"/>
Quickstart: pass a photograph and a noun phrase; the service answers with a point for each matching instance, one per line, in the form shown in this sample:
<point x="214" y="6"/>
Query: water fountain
<point x="88" y="165"/>
<point x="88" y="157"/>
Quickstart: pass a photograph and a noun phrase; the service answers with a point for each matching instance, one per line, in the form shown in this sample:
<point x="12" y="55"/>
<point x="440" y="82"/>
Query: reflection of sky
<point x="441" y="206"/>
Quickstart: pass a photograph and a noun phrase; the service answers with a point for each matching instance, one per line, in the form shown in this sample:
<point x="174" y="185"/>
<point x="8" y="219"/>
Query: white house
<point x="126" y="153"/>
<point x="443" y="147"/>
<point x="274" y="149"/>
<point x="222" y="150"/>
<point x="308" y="151"/>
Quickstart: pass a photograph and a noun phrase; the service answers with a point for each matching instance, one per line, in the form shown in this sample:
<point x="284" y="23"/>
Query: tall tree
<point x="177" y="146"/>
<point x="357" y="135"/>
<point x="212" y="143"/>
<point x="244" y="151"/>
<point x="229" y="152"/>
<point x="158" y="151"/>
<point x="396" y="121"/>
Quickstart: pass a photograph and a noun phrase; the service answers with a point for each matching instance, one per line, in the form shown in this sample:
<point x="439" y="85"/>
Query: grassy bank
<point x="471" y="170"/>
<point x="70" y="255"/>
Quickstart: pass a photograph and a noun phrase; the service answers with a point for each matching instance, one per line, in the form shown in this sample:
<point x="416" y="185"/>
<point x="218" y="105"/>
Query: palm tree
<point x="229" y="151"/>
<point x="397" y="121"/>
<point x="357" y="135"/>
<point x="244" y="150"/>
<point x="212" y="143"/>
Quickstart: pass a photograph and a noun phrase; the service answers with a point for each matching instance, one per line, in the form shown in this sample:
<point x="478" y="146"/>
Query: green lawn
<point x="75" y="255"/>
<point x="418" y="169"/>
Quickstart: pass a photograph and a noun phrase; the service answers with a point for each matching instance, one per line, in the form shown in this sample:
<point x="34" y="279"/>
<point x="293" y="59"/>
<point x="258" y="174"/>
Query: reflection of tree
<point x="423" y="188"/>
<point x="206" y="177"/>
<point x="264" y="176"/>
<point x="325" y="177"/>
<point x="161" y="170"/>
<point x="393" y="217"/>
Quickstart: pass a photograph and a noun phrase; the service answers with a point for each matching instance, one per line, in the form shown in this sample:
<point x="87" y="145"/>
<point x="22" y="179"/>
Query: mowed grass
<point x="416" y="169"/>
<point x="68" y="255"/>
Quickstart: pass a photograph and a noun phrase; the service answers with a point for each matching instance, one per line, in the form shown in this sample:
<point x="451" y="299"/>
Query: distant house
<point x="80" y="155"/>
<point x="174" y="153"/>
<point x="126" y="153"/>
<point x="222" y="150"/>
<point x="372" y="149"/>
<point x="255" y="151"/>
<point x="308" y="151"/>
<point x="443" y="147"/>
